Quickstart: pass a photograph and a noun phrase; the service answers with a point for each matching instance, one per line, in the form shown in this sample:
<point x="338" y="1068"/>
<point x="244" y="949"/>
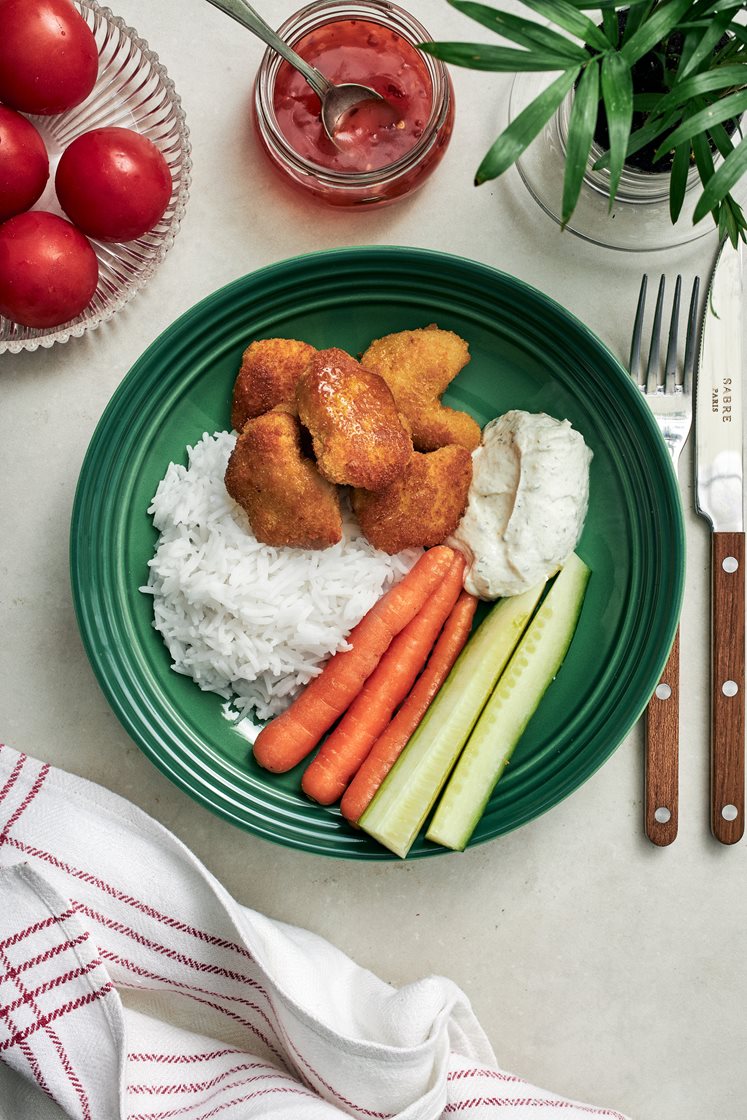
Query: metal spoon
<point x="337" y="100"/>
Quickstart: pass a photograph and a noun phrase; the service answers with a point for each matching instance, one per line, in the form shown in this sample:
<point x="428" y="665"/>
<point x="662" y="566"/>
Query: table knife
<point x="719" y="498"/>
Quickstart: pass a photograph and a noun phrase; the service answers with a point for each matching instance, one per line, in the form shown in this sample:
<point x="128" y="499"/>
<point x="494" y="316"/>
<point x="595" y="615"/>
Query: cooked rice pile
<point x="248" y="621"/>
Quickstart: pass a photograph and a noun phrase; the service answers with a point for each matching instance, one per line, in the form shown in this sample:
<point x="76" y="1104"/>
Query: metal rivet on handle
<point x="663" y="691"/>
<point x="730" y="688"/>
<point x="730" y="564"/>
<point x="730" y="812"/>
<point x="662" y="815"/>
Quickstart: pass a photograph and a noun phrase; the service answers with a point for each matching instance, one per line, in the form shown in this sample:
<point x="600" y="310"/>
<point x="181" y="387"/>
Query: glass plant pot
<point x="639" y="219"/>
<point x="355" y="188"/>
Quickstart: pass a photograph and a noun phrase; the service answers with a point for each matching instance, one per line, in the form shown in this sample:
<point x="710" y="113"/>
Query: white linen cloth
<point x="133" y="987"/>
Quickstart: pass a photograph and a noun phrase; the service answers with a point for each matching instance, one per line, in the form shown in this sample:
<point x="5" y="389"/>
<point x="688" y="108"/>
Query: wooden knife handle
<point x="662" y="724"/>
<point x="727" y="686"/>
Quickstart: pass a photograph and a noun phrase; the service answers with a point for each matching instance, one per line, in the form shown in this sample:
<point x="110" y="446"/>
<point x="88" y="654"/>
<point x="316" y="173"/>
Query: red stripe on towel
<point x="38" y="783"/>
<point x="53" y="1016"/>
<point x="527" y="1102"/>
<point x="204" y="1086"/>
<point x="45" y="923"/>
<point x="170" y="1059"/>
<point x="227" y="1104"/>
<point x="13" y="777"/>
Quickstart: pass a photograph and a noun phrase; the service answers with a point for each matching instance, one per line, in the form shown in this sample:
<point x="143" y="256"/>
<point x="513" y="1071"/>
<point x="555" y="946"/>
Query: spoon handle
<point x="245" y="14"/>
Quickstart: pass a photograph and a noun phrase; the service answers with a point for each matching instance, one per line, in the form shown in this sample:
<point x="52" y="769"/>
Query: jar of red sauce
<point x="372" y="42"/>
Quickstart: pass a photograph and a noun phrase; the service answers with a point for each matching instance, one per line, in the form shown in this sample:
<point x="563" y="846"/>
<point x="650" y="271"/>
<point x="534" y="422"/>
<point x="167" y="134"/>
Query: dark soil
<point x="649" y="76"/>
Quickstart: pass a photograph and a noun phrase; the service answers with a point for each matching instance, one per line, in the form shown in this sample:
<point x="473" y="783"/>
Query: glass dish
<point x="355" y="188"/>
<point x="134" y="91"/>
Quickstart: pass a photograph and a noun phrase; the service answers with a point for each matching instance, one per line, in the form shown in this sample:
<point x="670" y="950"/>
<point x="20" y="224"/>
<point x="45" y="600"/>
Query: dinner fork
<point x="668" y="393"/>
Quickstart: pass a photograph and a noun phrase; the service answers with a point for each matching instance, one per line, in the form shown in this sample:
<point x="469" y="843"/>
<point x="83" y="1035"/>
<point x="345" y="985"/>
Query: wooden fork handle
<point x="727" y="686"/>
<point x="662" y="723"/>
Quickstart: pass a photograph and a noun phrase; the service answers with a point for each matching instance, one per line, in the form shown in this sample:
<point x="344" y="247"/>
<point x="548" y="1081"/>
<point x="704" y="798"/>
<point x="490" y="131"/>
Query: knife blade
<point x="719" y="477"/>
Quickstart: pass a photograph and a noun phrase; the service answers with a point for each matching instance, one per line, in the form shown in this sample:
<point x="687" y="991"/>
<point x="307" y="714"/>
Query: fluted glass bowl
<point x="133" y="91"/>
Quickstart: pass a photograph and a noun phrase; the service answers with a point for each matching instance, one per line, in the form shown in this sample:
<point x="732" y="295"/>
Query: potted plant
<point x="659" y="83"/>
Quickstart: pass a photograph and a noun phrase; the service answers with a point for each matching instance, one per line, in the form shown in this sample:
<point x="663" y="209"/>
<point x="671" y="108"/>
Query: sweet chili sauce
<point x="370" y="137"/>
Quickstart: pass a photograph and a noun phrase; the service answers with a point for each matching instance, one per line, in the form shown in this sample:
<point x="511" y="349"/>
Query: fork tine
<point x="652" y="366"/>
<point x="634" y="365"/>
<point x="670" y="362"/>
<point x="691" y="338"/>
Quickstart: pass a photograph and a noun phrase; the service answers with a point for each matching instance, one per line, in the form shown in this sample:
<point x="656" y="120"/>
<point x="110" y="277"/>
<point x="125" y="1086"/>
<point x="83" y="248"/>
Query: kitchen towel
<point x="134" y="987"/>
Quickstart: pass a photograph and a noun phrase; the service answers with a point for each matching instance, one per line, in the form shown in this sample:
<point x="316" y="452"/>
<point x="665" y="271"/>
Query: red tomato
<point x="24" y="165"/>
<point x="48" y="270"/>
<point x="48" y="56"/>
<point x="113" y="183"/>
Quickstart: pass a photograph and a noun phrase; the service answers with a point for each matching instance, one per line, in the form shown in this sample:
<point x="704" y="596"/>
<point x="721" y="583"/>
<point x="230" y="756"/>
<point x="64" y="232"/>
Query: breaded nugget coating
<point x="287" y="501"/>
<point x="418" y="366"/>
<point x="358" y="437"/>
<point x="270" y="368"/>
<point x="423" y="507"/>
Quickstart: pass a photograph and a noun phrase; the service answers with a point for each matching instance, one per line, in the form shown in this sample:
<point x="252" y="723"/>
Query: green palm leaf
<point x="656" y="28"/>
<point x="570" y="19"/>
<point x="587" y="4"/>
<point x="739" y="33"/>
<point x="611" y="26"/>
<point x="703" y="157"/>
<point x="709" y="8"/>
<point x="678" y="180"/>
<point x="731" y="221"/>
<point x="478" y="56"/>
<point x="704" y="161"/>
<point x="523" y="129"/>
<point x="617" y="93"/>
<point x="721" y="78"/>
<point x="692" y="37"/>
<point x="522" y="31"/>
<point x="635" y="18"/>
<point x="719" y="185"/>
<point x="581" y="126"/>
<point x="726" y="5"/>
<point x="724" y="110"/>
<point x="721" y="139"/>
<point x="707" y="42"/>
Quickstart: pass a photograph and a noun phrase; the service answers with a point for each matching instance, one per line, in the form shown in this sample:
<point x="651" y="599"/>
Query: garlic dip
<point x="527" y="503"/>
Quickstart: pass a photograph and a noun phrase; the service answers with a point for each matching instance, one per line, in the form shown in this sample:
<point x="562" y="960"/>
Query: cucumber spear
<point x="515" y="699"/>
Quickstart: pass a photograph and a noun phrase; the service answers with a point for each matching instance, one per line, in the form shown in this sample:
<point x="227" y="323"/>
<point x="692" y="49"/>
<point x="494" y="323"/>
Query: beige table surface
<point x="600" y="966"/>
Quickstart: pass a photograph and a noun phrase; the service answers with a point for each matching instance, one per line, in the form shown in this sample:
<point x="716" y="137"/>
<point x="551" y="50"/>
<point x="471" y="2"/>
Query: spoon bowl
<point x="341" y="101"/>
<point x="337" y="101"/>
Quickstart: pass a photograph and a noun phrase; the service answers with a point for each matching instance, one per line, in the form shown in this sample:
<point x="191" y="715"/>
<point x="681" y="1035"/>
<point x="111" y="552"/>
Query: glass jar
<point x="355" y="188"/>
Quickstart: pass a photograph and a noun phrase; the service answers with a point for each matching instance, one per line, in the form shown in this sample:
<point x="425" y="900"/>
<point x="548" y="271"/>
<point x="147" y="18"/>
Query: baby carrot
<point x="327" y="775"/>
<point x="287" y="739"/>
<point x="390" y="744"/>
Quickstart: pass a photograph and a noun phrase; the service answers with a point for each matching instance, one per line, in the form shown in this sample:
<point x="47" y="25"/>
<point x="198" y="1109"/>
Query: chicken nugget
<point x="423" y="507"/>
<point x="357" y="435"/>
<point x="286" y="499"/>
<point x="418" y="366"/>
<point x="270" y="368"/>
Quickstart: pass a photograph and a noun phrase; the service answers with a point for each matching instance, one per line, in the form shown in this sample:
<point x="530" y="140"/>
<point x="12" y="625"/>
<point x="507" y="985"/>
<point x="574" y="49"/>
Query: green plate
<point x="527" y="352"/>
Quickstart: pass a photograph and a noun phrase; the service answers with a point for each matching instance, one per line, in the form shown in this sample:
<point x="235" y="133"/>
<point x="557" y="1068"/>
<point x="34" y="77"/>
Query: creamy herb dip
<point x="527" y="503"/>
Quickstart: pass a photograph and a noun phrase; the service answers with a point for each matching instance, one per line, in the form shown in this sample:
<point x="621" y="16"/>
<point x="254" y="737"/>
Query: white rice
<point x="248" y="621"/>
